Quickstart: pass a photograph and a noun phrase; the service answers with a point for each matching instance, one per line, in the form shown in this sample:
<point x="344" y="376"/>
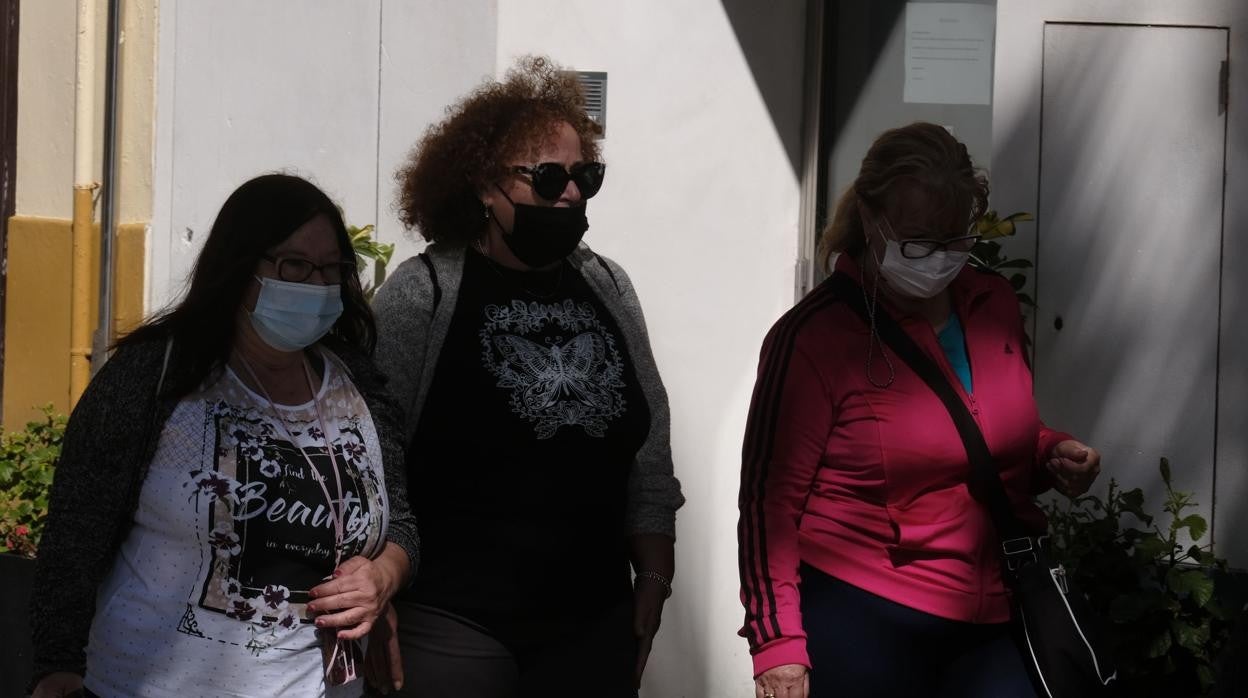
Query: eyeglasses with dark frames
<point x="920" y="248"/>
<point x="297" y="270"/>
<point x="549" y="179"/>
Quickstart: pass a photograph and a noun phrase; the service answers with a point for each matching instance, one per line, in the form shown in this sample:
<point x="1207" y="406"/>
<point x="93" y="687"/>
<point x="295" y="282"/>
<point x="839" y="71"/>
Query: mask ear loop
<point x="874" y="339"/>
<point x="495" y="218"/>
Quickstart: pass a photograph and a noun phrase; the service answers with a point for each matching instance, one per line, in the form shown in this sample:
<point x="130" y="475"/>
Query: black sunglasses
<point x="549" y="179"/>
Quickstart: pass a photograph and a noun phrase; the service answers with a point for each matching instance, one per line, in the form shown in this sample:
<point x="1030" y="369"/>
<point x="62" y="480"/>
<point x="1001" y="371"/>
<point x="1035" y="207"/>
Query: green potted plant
<point x="368" y="249"/>
<point x="27" y="461"/>
<point x="987" y="252"/>
<point x="1172" y="610"/>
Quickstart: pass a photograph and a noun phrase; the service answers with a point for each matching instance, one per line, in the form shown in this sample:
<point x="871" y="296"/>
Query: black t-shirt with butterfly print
<point x="519" y="466"/>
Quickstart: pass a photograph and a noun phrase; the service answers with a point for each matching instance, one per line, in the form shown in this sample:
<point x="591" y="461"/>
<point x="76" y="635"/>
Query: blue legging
<point x="864" y="645"/>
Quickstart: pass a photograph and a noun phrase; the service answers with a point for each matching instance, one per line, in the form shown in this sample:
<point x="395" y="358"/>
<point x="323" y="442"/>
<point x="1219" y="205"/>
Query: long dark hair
<point x="257" y="217"/>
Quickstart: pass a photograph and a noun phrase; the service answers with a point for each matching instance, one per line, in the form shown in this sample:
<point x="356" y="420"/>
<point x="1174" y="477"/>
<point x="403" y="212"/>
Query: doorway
<point x="1111" y="123"/>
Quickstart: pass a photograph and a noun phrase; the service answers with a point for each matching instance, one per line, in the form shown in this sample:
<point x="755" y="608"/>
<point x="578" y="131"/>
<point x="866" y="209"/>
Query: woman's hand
<point x="1074" y="466"/>
<point x="57" y="685"/>
<point x="383" y="665"/>
<point x="648" y="599"/>
<point x="784" y="681"/>
<point x="359" y="592"/>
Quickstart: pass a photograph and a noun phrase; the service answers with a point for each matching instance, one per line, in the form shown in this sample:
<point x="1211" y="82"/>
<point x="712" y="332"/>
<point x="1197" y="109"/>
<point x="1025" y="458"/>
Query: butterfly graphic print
<point x="560" y="364"/>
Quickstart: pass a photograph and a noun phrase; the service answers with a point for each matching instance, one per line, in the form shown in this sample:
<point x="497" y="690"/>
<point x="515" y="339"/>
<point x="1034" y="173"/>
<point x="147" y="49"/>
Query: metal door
<point x="1129" y="246"/>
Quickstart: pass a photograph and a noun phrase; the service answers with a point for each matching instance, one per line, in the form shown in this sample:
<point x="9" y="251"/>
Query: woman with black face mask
<point x="539" y="457"/>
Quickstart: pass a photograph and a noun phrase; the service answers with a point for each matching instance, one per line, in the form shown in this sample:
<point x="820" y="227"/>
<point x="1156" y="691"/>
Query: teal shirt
<point x="953" y="342"/>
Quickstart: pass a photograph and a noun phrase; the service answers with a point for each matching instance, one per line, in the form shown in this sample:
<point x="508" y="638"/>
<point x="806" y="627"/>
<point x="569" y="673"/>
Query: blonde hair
<point x="921" y="153"/>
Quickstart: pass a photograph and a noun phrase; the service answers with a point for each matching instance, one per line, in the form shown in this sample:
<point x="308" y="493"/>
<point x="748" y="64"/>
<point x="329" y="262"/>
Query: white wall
<point x="700" y="206"/>
<point x="333" y="90"/>
<point x="432" y="52"/>
<point x="45" y="122"/>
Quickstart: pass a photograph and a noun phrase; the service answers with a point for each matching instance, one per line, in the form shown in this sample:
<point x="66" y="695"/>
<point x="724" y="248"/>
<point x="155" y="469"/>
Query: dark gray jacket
<point x="414" y="309"/>
<point x="111" y="438"/>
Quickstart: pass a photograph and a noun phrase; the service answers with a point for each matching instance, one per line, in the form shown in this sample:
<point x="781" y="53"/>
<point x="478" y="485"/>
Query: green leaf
<point x="1185" y="635"/>
<point x="1195" y="524"/>
<point x="1165" y="470"/>
<point x="1205" y="675"/>
<point x="1202" y="590"/>
<point x="1133" y="501"/>
<point x="1150" y="546"/>
<point x="1192" y="583"/>
<point x="1160" y="645"/>
<point x="1196" y="554"/>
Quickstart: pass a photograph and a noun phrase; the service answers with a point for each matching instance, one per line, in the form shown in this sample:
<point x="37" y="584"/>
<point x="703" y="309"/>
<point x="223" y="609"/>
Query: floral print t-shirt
<point x="208" y="594"/>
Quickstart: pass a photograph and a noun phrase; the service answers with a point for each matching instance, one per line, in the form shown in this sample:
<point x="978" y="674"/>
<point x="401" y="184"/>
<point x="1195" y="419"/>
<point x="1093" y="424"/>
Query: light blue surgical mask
<point x="293" y="316"/>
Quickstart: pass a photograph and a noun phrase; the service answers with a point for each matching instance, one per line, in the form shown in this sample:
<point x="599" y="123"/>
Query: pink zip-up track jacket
<point x="869" y="484"/>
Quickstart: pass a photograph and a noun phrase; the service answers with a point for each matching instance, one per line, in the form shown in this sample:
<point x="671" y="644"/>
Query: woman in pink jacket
<point x="867" y="567"/>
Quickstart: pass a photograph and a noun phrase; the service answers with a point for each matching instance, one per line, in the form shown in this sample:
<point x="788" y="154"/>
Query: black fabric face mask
<point x="543" y="235"/>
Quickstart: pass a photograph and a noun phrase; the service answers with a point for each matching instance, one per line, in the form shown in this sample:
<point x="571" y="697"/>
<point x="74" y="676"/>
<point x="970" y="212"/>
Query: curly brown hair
<point x="469" y="150"/>
<point x="921" y="153"/>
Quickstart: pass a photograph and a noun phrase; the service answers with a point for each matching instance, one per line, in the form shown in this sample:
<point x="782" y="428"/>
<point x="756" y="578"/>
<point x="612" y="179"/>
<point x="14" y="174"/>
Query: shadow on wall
<point x="777" y="59"/>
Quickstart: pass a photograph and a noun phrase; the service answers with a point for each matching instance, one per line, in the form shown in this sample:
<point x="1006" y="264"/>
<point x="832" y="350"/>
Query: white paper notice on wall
<point x="949" y="53"/>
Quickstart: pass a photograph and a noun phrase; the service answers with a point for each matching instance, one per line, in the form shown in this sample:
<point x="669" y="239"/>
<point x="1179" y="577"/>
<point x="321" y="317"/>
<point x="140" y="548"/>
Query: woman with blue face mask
<point x="229" y="515"/>
<point x="868" y="565"/>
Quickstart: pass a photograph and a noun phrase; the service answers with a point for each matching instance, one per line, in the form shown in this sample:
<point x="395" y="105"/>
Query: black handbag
<point x="1056" y="629"/>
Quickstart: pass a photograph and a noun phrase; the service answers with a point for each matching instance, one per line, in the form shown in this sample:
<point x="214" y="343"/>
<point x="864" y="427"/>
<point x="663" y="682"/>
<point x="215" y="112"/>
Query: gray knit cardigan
<point x="111" y="438"/>
<point x="414" y="309"/>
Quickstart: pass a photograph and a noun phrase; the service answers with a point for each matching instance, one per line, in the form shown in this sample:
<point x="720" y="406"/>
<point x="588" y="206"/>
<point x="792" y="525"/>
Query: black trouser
<point x="864" y="645"/>
<point x="445" y="656"/>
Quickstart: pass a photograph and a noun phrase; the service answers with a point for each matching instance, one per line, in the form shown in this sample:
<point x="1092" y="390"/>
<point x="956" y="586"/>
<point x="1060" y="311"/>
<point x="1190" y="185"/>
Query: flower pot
<point x="17" y="576"/>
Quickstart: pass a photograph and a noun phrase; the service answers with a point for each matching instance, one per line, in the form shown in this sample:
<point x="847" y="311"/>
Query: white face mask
<point x="292" y="316"/>
<point x="919" y="278"/>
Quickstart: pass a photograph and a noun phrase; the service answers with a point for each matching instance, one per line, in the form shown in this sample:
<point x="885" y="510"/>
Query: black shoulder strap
<point x="603" y="263"/>
<point x="433" y="278"/>
<point x="985" y="479"/>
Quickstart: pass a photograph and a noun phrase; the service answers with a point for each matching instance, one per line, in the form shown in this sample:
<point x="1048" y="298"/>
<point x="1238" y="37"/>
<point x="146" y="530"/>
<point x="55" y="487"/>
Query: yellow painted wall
<point x="36" y="331"/>
<point x="36" y="324"/>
